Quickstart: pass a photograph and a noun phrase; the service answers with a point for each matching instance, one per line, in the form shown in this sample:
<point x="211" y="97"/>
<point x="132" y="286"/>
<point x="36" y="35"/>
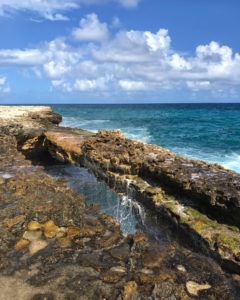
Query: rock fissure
<point x="53" y="246"/>
<point x="124" y="164"/>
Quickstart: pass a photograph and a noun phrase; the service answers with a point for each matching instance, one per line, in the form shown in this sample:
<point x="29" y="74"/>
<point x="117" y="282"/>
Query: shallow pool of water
<point x="131" y="215"/>
<point x="126" y="211"/>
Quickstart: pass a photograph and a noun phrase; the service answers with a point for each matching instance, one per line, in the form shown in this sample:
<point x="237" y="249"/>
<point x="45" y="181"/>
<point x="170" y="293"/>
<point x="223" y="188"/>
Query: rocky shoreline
<point x="53" y="246"/>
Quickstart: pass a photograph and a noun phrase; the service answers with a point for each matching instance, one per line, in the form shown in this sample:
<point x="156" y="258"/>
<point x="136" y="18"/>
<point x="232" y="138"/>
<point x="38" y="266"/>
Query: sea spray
<point x="201" y="131"/>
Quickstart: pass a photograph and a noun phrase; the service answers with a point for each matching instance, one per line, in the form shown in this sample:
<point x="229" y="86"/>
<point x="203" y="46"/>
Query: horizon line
<point x="115" y="103"/>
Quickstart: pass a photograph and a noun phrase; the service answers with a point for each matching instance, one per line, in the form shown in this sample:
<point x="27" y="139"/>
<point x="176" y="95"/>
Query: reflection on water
<point x="127" y="212"/>
<point x="130" y="214"/>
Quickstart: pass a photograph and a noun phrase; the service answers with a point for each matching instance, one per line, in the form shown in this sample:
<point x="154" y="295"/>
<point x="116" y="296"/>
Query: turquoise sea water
<point x="209" y="132"/>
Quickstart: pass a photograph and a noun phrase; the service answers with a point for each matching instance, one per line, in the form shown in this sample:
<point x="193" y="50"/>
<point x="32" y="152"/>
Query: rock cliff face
<point x="52" y="246"/>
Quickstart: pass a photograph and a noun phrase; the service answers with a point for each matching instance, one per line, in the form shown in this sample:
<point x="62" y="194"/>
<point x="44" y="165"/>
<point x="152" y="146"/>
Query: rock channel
<point x="53" y="246"/>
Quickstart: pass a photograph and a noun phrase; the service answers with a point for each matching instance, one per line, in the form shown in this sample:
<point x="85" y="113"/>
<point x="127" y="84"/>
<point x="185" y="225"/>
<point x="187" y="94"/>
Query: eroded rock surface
<point x="199" y="200"/>
<point x="52" y="246"/>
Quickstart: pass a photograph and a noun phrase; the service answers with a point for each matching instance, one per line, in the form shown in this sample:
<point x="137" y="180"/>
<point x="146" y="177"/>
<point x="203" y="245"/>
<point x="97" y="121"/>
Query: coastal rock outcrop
<point x="199" y="199"/>
<point x="53" y="246"/>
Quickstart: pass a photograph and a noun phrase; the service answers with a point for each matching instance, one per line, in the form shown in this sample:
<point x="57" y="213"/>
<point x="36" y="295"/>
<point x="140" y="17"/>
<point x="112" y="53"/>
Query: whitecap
<point x="80" y="123"/>
<point x="229" y="161"/>
<point x="138" y="134"/>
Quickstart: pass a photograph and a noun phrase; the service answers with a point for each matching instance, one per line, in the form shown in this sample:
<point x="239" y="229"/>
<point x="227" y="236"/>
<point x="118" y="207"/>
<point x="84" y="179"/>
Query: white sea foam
<point x="77" y="122"/>
<point x="135" y="133"/>
<point x="140" y="134"/>
<point x="229" y="161"/>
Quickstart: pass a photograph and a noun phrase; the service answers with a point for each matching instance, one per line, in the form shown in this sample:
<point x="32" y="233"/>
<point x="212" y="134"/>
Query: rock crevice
<point x="53" y="246"/>
<point x="200" y="199"/>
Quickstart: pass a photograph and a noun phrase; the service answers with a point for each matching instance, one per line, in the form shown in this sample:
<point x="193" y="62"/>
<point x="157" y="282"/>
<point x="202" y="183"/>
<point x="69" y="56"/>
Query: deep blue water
<point x="202" y="131"/>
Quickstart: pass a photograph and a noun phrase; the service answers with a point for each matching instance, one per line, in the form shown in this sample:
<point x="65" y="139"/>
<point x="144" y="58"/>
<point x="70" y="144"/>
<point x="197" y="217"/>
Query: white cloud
<point x="88" y="85"/>
<point x="55" y="58"/>
<point x="130" y="85"/>
<point x="214" y="53"/>
<point x="2" y="81"/>
<point x="159" y="41"/>
<point x="134" y="47"/>
<point x="52" y="9"/>
<point x="126" y="62"/>
<point x="48" y="9"/>
<point x="55" y="17"/>
<point x="20" y="57"/>
<point x="4" y="87"/>
<point x="129" y="3"/>
<point x="91" y="29"/>
<point x="179" y="63"/>
<point x="199" y="85"/>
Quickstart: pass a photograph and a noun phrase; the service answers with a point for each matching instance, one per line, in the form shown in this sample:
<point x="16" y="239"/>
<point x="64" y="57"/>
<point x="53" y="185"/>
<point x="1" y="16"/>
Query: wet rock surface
<point x="198" y="199"/>
<point x="52" y="246"/>
<point x="209" y="186"/>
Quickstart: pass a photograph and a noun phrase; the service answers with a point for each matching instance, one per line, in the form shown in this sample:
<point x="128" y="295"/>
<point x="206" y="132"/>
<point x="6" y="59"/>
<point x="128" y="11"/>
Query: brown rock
<point x="32" y="235"/>
<point x="121" y="252"/>
<point x="34" y="225"/>
<point x="130" y="291"/>
<point x="147" y="278"/>
<point x="73" y="231"/>
<point x="21" y="244"/>
<point x="64" y="242"/>
<point x="50" y="229"/>
<point x="111" y="277"/>
<point x="194" y="288"/>
<point x="37" y="245"/>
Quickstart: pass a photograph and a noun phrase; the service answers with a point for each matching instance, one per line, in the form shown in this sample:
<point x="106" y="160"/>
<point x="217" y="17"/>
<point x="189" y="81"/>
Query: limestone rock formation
<point x="53" y="246"/>
<point x="198" y="199"/>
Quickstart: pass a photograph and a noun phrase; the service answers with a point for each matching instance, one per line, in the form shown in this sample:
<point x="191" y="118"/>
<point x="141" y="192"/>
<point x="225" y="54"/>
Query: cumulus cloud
<point x="52" y="9"/>
<point x="86" y="84"/>
<point x="91" y="29"/>
<point x="130" y="61"/>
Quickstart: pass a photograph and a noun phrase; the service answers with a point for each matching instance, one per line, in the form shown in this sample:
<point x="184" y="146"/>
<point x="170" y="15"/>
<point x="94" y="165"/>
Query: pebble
<point x="146" y="271"/>
<point x="21" y="244"/>
<point x="181" y="268"/>
<point x="50" y="229"/>
<point x="7" y="176"/>
<point x="36" y="246"/>
<point x="118" y="269"/>
<point x="73" y="231"/>
<point x="130" y="291"/>
<point x="107" y="233"/>
<point x="194" y="288"/>
<point x="61" y="232"/>
<point x="32" y="235"/>
<point x="33" y="225"/>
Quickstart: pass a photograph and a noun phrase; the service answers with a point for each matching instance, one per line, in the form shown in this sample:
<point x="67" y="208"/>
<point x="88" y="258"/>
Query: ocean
<point x="209" y="132"/>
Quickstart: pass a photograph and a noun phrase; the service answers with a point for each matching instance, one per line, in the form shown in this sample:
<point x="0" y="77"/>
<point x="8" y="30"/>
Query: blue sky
<point x="96" y="51"/>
